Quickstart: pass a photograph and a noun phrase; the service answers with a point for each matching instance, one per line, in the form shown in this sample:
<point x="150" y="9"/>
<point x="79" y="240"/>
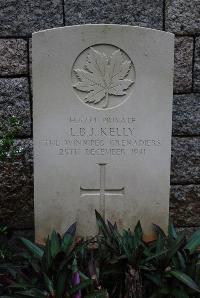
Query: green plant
<point x="115" y="264"/>
<point x="121" y="257"/>
<point x="7" y="147"/>
<point x="47" y="271"/>
<point x="6" y="255"/>
<point x="51" y="270"/>
<point x="174" y="265"/>
<point x="166" y="267"/>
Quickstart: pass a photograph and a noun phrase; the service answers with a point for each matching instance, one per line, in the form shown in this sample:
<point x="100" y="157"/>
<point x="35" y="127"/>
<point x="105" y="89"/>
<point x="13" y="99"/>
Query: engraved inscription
<point x="102" y="191"/>
<point x="102" y="77"/>
<point x="104" y="137"/>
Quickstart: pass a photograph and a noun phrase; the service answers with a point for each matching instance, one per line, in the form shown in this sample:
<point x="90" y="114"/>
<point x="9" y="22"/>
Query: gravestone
<point x="102" y="112"/>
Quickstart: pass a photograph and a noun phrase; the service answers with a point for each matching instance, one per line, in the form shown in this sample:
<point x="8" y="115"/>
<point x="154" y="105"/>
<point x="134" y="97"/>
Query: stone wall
<point x="20" y="18"/>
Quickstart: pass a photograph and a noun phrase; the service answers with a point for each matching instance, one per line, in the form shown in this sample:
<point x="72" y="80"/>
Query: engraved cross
<point x="102" y="191"/>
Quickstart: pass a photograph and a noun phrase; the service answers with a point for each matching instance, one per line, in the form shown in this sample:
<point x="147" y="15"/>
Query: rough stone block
<point x="185" y="205"/>
<point x="16" y="188"/>
<point x="182" y="16"/>
<point x="183" y="64"/>
<point x="185" y="160"/>
<point x="186" y="114"/>
<point x="14" y="243"/>
<point x="197" y="65"/>
<point x="13" y="57"/>
<point x="30" y="55"/>
<point x="188" y="231"/>
<point x="137" y="12"/>
<point x="24" y="17"/>
<point x="14" y="101"/>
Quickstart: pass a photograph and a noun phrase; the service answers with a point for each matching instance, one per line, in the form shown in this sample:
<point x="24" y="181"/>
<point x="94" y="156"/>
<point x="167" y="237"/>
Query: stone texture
<point x="16" y="188"/>
<point x="30" y="55"/>
<point x="197" y="65"/>
<point x="185" y="160"/>
<point x="132" y="12"/>
<point x="183" y="64"/>
<point x="14" y="243"/>
<point x="24" y="17"/>
<point x="182" y="16"/>
<point x="186" y="114"/>
<point x="185" y="205"/>
<point x="13" y="57"/>
<point x="188" y="231"/>
<point x="15" y="101"/>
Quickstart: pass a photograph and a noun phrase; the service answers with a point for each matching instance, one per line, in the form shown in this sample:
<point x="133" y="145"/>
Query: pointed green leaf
<point x="160" y="243"/>
<point x="71" y="230"/>
<point x="159" y="231"/>
<point x="157" y="255"/>
<point x="49" y="284"/>
<point x="176" y="246"/>
<point x="111" y="226"/>
<point x="194" y="242"/>
<point x="185" y="279"/>
<point x="46" y="259"/>
<point x="138" y="232"/>
<point x="55" y="244"/>
<point x="68" y="238"/>
<point x="61" y="284"/>
<point x="74" y="266"/>
<point x="102" y="225"/>
<point x="181" y="259"/>
<point x="171" y="230"/>
<point x="33" y="248"/>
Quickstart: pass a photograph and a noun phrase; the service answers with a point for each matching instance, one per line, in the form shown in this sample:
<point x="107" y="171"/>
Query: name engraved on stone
<point x="102" y="191"/>
<point x="103" y="75"/>
<point x="102" y="131"/>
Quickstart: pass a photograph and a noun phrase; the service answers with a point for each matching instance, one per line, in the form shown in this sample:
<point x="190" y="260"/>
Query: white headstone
<point x="102" y="126"/>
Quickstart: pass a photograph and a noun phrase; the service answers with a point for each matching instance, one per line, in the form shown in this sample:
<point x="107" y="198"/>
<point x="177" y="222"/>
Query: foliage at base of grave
<point x="113" y="264"/>
<point x="166" y="267"/>
<point x="6" y="254"/>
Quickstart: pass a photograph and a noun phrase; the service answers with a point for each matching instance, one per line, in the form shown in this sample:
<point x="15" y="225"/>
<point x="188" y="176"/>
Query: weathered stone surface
<point x="186" y="114"/>
<point x="24" y="17"/>
<point x="30" y="55"/>
<point x="14" y="243"/>
<point x="183" y="64"/>
<point x="185" y="160"/>
<point x="137" y="12"/>
<point x="13" y="57"/>
<point x="185" y="205"/>
<point x="16" y="188"/>
<point x="188" y="231"/>
<point x="197" y="65"/>
<point x="14" y="101"/>
<point x="182" y="16"/>
<point x="94" y="176"/>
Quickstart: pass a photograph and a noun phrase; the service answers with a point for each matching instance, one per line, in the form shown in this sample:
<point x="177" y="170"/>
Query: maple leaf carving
<point x="103" y="76"/>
